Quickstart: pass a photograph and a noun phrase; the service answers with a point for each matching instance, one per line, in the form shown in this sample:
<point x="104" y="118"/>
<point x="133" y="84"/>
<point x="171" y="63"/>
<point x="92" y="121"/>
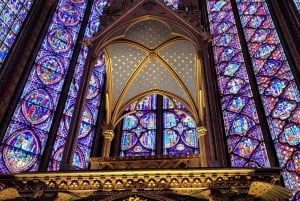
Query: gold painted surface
<point x="181" y="56"/>
<point x="201" y="131"/>
<point x="267" y="191"/>
<point x="9" y="193"/>
<point x="212" y="183"/>
<point x="108" y="180"/>
<point x="149" y="162"/>
<point x="108" y="134"/>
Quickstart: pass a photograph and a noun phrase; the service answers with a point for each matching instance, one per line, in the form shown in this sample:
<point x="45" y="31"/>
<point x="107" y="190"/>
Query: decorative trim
<point x="145" y="162"/>
<point x="227" y="181"/>
<point x="201" y="131"/>
<point x="108" y="134"/>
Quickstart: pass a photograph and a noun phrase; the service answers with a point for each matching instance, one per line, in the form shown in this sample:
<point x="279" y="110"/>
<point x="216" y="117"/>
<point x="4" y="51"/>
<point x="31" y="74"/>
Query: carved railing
<point x="211" y="183"/>
<point x="146" y="162"/>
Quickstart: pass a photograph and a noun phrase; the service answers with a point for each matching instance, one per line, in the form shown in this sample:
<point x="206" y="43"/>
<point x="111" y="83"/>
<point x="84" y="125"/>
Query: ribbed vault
<point x="151" y="57"/>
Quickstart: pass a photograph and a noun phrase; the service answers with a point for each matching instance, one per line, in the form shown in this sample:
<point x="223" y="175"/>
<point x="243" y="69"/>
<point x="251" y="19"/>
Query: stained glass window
<point x="243" y="131"/>
<point x="26" y="136"/>
<point x="179" y="130"/>
<point x="89" y="115"/>
<point x="297" y="3"/>
<point x="12" y="15"/>
<point x="276" y="85"/>
<point x="172" y="3"/>
<point x="139" y="129"/>
<point x="140" y="132"/>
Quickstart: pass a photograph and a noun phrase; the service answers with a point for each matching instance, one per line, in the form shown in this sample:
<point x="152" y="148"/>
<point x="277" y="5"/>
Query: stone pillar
<point x="201" y="132"/>
<point x="108" y="137"/>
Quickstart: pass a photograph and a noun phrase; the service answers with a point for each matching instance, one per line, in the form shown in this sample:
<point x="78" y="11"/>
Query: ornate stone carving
<point x="108" y="134"/>
<point x="163" y="162"/>
<point x="217" y="182"/>
<point x="201" y="131"/>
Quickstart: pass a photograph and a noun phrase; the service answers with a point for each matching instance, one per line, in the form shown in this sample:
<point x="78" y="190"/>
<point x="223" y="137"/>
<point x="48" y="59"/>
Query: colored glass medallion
<point x="41" y="93"/>
<point x="244" y="136"/>
<point x="12" y="15"/>
<point x="276" y="84"/>
<point x="69" y="15"/>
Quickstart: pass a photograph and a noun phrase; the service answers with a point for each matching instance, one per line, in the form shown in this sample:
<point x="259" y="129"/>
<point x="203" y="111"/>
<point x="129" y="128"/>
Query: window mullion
<point x="159" y="125"/>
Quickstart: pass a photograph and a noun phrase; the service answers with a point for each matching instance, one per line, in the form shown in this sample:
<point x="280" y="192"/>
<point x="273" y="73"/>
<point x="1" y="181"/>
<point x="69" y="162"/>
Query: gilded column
<point x="201" y="132"/>
<point x="108" y="137"/>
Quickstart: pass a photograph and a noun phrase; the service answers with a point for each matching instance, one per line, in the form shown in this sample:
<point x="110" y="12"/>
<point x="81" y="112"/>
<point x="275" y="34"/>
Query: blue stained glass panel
<point x="68" y="15"/>
<point x="172" y="3"/>
<point x="276" y="86"/>
<point x="95" y="87"/>
<point x="139" y="128"/>
<point x="241" y="122"/>
<point x="147" y="103"/>
<point x="139" y="140"/>
<point x="18" y="160"/>
<point x="297" y="3"/>
<point x="41" y="92"/>
<point x="12" y="15"/>
<point x="179" y="129"/>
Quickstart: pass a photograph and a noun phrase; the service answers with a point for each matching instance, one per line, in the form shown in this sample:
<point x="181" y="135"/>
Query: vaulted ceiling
<point x="150" y="49"/>
<point x="151" y="56"/>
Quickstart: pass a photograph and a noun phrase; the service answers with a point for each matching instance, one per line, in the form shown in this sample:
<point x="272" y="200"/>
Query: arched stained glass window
<point x="12" y="15"/>
<point x="139" y="129"/>
<point x="274" y="79"/>
<point x="140" y="132"/>
<point x="90" y="112"/>
<point x="276" y="84"/>
<point x="297" y="3"/>
<point x="26" y="136"/>
<point x="243" y="131"/>
<point x="179" y="129"/>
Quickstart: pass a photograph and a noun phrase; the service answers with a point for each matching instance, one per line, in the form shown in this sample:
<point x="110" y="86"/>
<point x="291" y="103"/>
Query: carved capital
<point x="201" y="131"/>
<point x="108" y="134"/>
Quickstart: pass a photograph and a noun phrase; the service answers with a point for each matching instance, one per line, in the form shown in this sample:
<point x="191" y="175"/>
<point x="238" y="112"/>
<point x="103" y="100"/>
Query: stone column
<point x="108" y="137"/>
<point x="201" y="132"/>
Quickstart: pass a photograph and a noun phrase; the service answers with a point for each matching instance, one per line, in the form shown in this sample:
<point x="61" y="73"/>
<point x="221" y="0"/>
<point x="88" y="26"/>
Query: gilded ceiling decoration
<point x="125" y="59"/>
<point x="150" y="56"/>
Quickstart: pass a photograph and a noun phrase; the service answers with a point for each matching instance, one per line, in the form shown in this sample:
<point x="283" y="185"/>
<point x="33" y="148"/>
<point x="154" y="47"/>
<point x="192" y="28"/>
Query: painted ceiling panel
<point x="172" y="60"/>
<point x="154" y="76"/>
<point x="124" y="60"/>
<point x="150" y="33"/>
<point x="181" y="56"/>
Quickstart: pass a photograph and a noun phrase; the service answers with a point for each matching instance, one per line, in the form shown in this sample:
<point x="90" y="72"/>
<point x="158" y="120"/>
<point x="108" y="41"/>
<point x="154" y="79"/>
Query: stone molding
<point x="226" y="181"/>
